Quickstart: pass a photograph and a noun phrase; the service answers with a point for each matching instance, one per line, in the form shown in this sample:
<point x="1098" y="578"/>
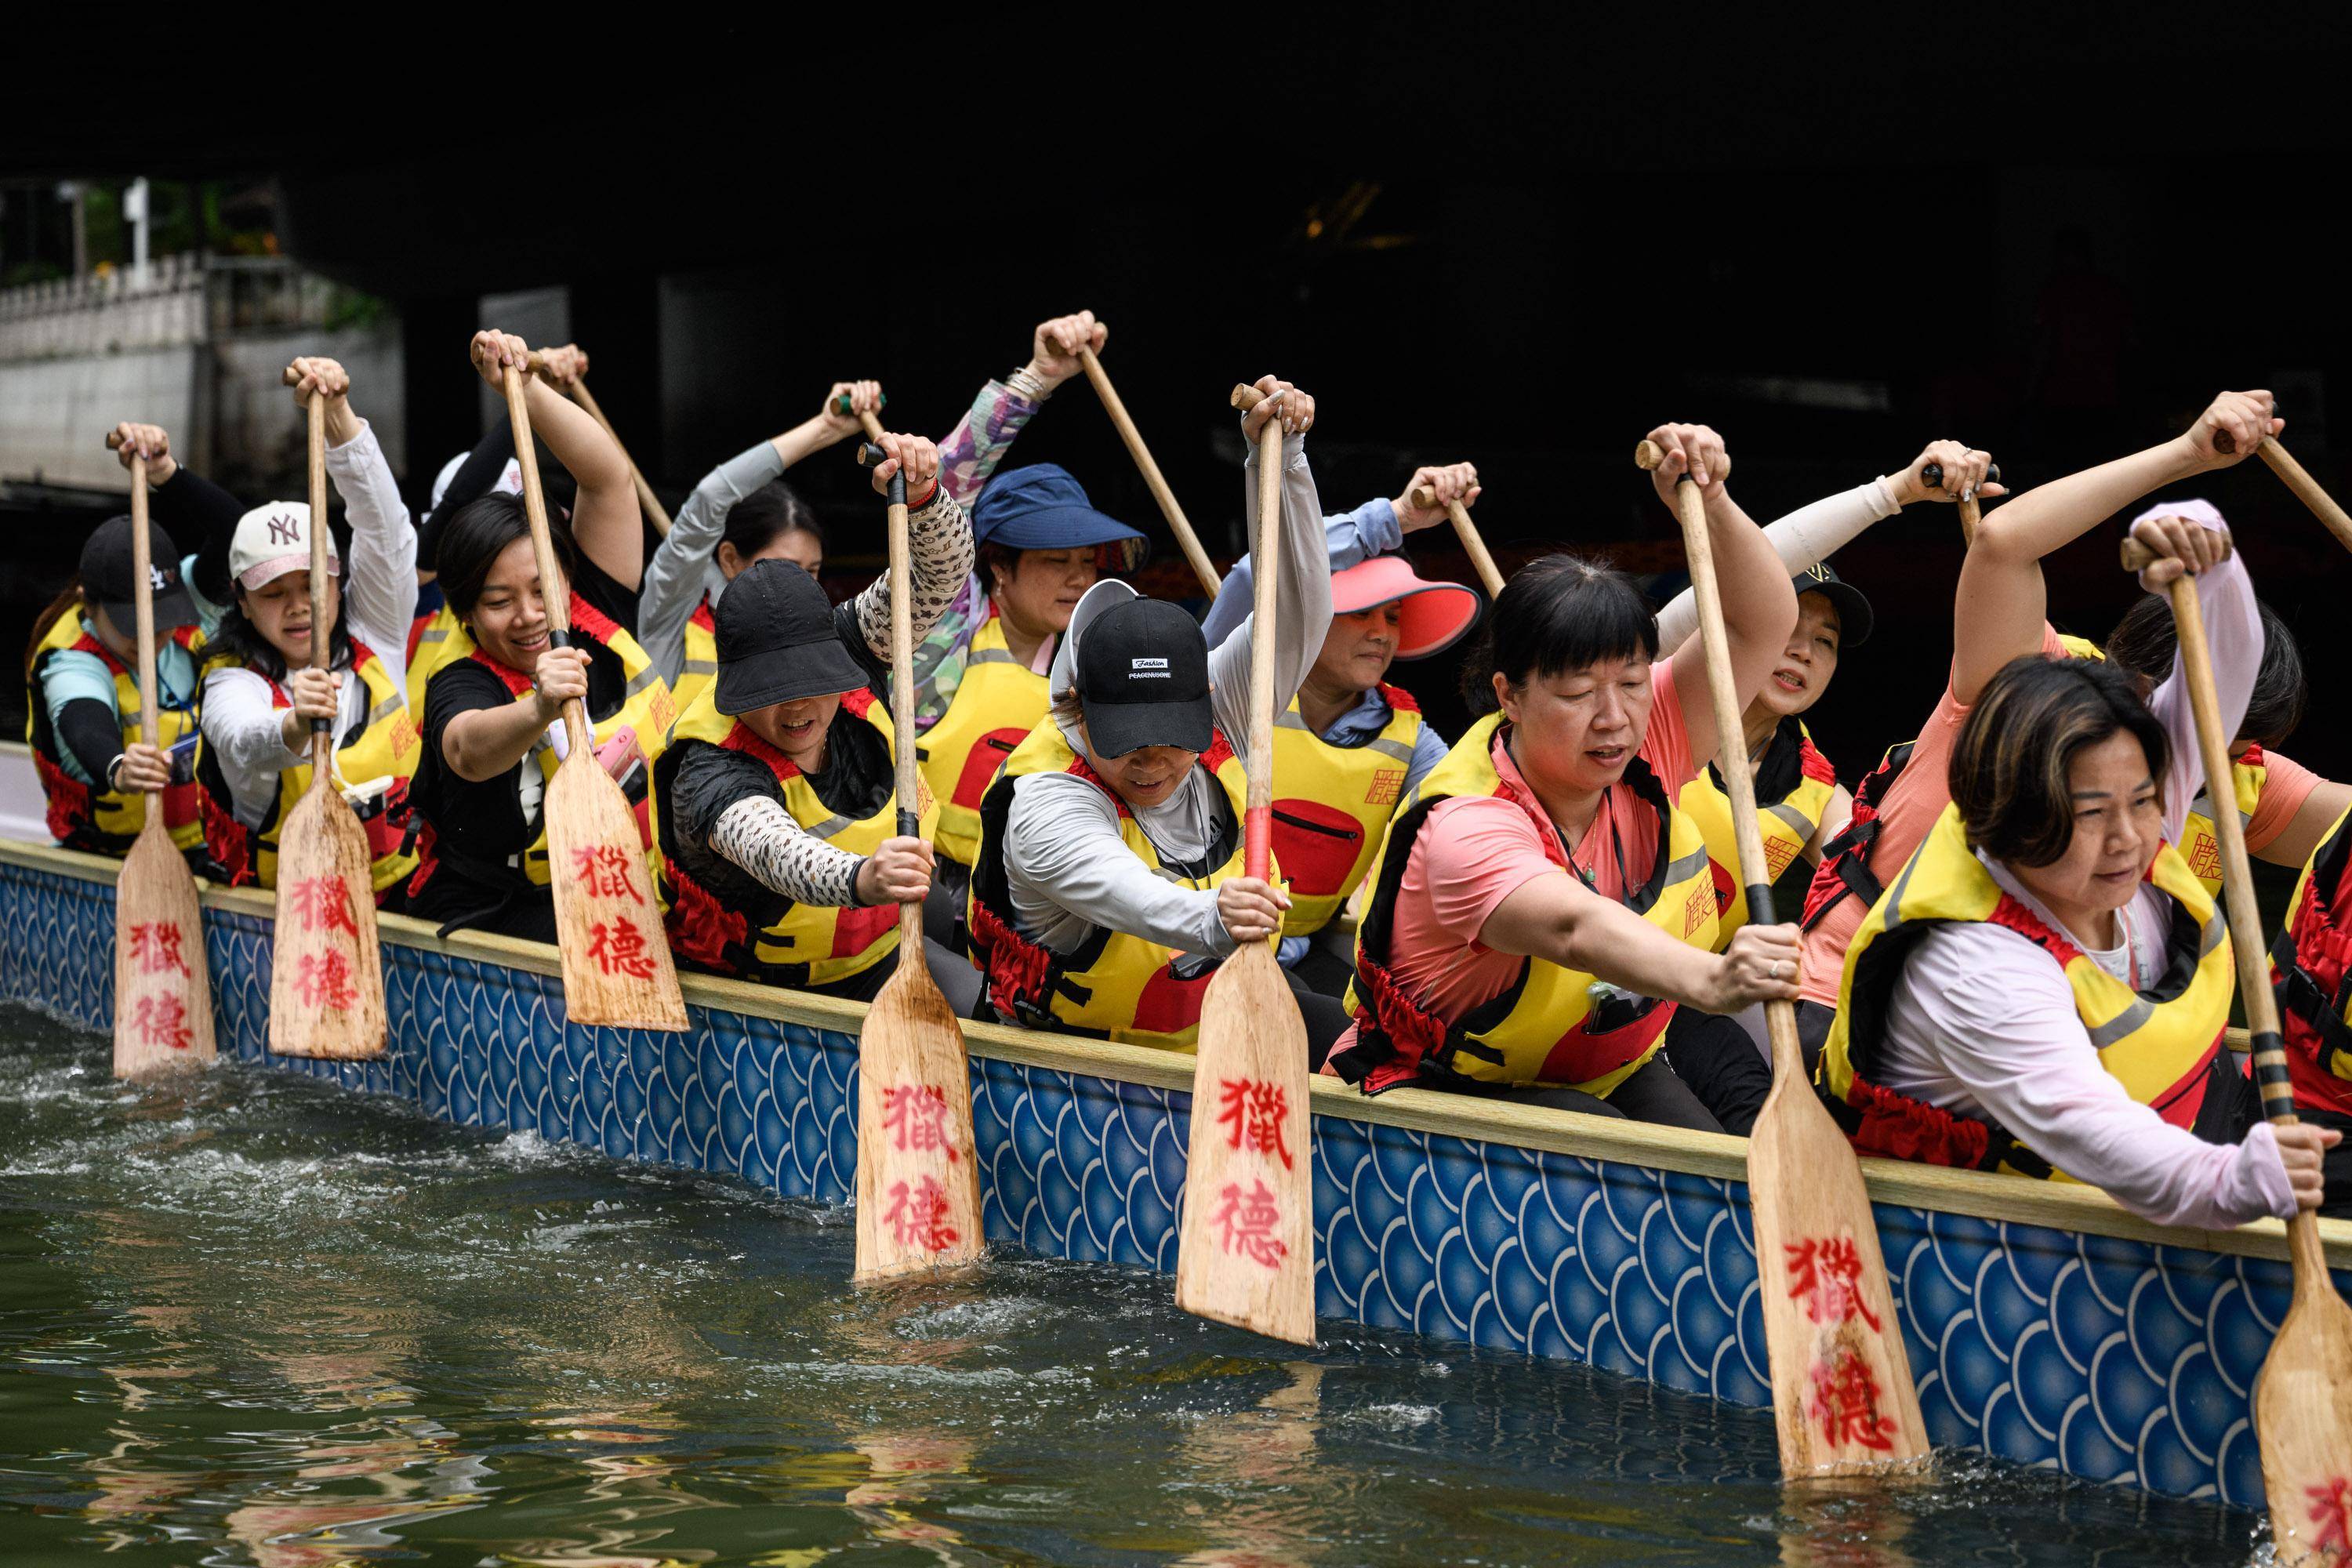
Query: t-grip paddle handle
<point x="1932" y="476"/>
<point x="871" y="455"/>
<point x="841" y="404"/>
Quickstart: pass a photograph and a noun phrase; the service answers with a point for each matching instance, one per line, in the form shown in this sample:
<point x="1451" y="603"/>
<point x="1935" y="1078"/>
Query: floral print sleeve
<point x="969" y="456"/>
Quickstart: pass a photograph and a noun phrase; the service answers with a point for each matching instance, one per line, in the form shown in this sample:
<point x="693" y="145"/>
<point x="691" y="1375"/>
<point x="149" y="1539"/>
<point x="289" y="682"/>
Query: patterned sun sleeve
<point x="939" y="560"/>
<point x="970" y="454"/>
<point x="761" y="837"/>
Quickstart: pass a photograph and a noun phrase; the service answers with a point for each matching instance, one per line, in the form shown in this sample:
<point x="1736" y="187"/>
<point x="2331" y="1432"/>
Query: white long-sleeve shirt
<point x="241" y="722"/>
<point x="1982" y="1023"/>
<point x="1070" y="872"/>
<point x="1807" y="536"/>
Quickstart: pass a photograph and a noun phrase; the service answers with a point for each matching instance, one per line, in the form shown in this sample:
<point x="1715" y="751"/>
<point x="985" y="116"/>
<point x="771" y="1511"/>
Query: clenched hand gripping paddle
<point x="917" y="1165"/>
<point x="1932" y="476"/>
<point x="2303" y="1396"/>
<point x="1245" y="1254"/>
<point x="616" y="962"/>
<point x="326" y="978"/>
<point x="1467" y="532"/>
<point x="162" y="989"/>
<point x="1842" y="1398"/>
<point x="1177" y="523"/>
<point x="867" y="420"/>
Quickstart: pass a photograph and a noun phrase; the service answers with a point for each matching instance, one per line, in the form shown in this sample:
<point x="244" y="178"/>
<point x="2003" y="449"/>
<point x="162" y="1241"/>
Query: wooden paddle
<point x="1932" y="476"/>
<point x="867" y="418"/>
<point x="1177" y="524"/>
<point x="326" y="977"/>
<point x="1467" y="532"/>
<point x="2303" y="1396"/>
<point x="162" y="989"/>
<point x="1245" y="1254"/>
<point x="1842" y="1398"/>
<point x="653" y="510"/>
<point x="2306" y="489"/>
<point x="616" y="962"/>
<point x="917" y="1163"/>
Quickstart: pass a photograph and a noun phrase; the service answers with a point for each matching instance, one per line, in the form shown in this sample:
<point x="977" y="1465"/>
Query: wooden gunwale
<point x="1975" y="1194"/>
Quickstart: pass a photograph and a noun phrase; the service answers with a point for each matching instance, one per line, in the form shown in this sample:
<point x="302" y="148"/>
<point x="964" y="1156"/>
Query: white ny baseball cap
<point x="272" y="540"/>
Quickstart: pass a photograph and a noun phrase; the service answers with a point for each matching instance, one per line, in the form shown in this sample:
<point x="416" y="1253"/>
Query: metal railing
<point x="186" y="299"/>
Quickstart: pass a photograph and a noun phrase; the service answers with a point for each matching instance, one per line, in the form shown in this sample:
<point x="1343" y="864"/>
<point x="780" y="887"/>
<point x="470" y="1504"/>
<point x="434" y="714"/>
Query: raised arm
<point x="381" y="587"/>
<point x="999" y="410"/>
<point x="2001" y="604"/>
<point x="939" y="544"/>
<point x="1303" y="599"/>
<point x="607" y="526"/>
<point x="184" y="500"/>
<point x="1759" y="605"/>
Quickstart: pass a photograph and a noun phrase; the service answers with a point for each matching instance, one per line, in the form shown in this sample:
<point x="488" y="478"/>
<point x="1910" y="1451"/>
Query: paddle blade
<point x="616" y="963"/>
<point x="1245" y="1255"/>
<point x="162" y="994"/>
<point x="918" y="1169"/>
<point x="326" y="983"/>
<point x="1842" y="1398"/>
<point x="2302" y="1412"/>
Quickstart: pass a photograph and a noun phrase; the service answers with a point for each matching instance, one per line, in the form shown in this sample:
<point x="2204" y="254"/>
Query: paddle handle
<point x="2306" y="489"/>
<point x="1266" y="552"/>
<point x="902" y="679"/>
<point x="142" y="569"/>
<point x="1467" y="532"/>
<point x="322" y="631"/>
<point x="647" y="499"/>
<point x="1738" y="783"/>
<point x="1932" y="476"/>
<point x="1189" y="541"/>
<point x="2238" y="897"/>
<point x="553" y="589"/>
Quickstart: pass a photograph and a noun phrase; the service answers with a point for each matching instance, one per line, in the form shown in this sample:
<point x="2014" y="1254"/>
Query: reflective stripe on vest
<point x="387" y="746"/>
<point x="806" y="944"/>
<point x="2161" y="1043"/>
<point x="1114" y="986"/>
<point x="89" y="817"/>
<point x="699" y="668"/>
<point x="1336" y="804"/>
<point x="1553" y="1026"/>
<point x="1807" y="783"/>
<point x="2309" y="965"/>
<point x="998" y="702"/>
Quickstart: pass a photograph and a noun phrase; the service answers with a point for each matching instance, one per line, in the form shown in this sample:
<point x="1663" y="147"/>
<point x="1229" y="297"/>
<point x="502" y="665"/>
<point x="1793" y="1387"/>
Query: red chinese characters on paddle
<point x="323" y="903"/>
<point x="918" y="1215"/>
<point x="163" y="1021"/>
<point x="1845" y="1401"/>
<point x="619" y="948"/>
<point x="602" y="872"/>
<point x="915" y="1115"/>
<point x="1827" y="1276"/>
<point x="2331" y="1514"/>
<point x="155" y="949"/>
<point x="324" y="979"/>
<point x="1246" y="1225"/>
<point x="1253" y="1113"/>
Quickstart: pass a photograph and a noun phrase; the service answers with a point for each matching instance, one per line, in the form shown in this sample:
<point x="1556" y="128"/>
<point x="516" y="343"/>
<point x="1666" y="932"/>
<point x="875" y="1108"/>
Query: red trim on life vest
<point x="1901" y="1128"/>
<point x="1811" y="763"/>
<point x="1400" y="699"/>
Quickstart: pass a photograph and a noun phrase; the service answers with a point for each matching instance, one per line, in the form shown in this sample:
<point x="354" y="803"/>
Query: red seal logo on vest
<point x="1778" y="853"/>
<point x="1699" y="908"/>
<point x="1387" y="782"/>
<point x="2205" y="857"/>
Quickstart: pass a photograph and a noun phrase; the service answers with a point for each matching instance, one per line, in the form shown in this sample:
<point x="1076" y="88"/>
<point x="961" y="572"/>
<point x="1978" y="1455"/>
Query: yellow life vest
<point x="387" y="746"/>
<point x="1793" y="787"/>
<point x="647" y="707"/>
<point x="996" y="705"/>
<point x="2200" y="845"/>
<point x="1114" y="986"/>
<point x="1336" y="804"/>
<point x="700" y="665"/>
<point x="803" y="944"/>
<point x="2161" y="1042"/>
<point x="2311" y="967"/>
<point x="432" y="641"/>
<point x="1549" y="1028"/>
<point x="89" y="817"/>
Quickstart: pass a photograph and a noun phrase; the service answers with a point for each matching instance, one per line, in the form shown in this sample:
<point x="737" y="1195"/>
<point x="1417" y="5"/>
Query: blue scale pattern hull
<point x="2109" y="1359"/>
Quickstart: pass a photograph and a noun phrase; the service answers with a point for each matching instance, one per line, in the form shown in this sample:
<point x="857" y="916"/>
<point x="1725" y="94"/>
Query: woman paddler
<point x="742" y="513"/>
<point x="261" y="691"/>
<point x="1542" y="891"/>
<point x="493" y="726"/>
<point x="1109" y="881"/>
<point x="2043" y="987"/>
<point x="1351" y="745"/>
<point x="779" y="860"/>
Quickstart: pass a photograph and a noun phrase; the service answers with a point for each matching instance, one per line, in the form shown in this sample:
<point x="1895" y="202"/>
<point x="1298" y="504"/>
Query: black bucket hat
<point x="777" y="642"/>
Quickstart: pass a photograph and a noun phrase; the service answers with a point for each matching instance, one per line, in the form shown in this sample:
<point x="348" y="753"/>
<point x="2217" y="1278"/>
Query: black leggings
<point x="1722" y="1065"/>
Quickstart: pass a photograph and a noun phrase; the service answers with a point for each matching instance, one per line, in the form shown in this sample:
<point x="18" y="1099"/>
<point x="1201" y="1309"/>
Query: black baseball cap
<point x="776" y="640"/>
<point x="1142" y="673"/>
<point x="110" y="581"/>
<point x="1852" y="607"/>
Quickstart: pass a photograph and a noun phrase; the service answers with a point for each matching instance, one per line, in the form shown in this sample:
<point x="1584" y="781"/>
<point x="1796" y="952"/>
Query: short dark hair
<point x="472" y="541"/>
<point x="766" y="515"/>
<point x="1558" y="612"/>
<point x="2144" y="642"/>
<point x="2011" y="770"/>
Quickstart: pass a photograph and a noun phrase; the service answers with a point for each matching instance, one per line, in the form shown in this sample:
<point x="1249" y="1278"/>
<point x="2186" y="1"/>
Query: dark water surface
<point x="256" y="1321"/>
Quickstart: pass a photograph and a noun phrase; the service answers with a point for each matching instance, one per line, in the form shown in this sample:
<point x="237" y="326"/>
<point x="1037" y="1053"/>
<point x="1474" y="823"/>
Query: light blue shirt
<point x="77" y="676"/>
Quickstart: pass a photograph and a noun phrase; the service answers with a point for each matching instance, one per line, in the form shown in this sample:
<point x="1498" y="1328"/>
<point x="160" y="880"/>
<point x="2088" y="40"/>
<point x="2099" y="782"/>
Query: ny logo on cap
<point x="285" y="531"/>
<point x="155" y="578"/>
<point x="1818" y="573"/>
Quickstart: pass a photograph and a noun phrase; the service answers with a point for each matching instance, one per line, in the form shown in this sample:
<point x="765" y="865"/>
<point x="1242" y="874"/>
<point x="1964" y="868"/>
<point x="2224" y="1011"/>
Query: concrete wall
<point x="258" y="430"/>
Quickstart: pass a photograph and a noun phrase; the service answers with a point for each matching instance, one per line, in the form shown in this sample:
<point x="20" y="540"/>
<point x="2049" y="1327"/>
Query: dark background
<point x="1519" y="239"/>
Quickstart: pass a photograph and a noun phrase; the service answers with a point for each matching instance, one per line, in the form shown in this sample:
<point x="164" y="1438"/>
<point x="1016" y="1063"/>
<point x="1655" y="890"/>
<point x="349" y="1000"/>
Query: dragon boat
<point x="2045" y="1323"/>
